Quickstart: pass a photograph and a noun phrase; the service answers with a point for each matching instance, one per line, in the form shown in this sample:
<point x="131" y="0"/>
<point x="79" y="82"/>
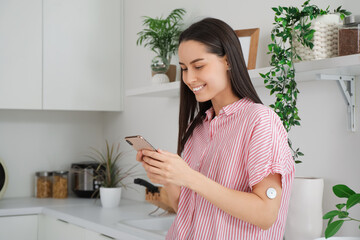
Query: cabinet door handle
<point x="60" y="220"/>
<point x="106" y="236"/>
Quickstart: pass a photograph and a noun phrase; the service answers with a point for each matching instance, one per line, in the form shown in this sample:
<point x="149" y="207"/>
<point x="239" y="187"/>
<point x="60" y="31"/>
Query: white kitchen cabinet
<point x="54" y="229"/>
<point x="20" y="54"/>
<point x="19" y="227"/>
<point x="51" y="228"/>
<point x="61" y="54"/>
<point x="82" y="55"/>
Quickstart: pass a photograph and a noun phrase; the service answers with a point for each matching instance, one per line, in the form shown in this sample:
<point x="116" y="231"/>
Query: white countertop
<point x="86" y="213"/>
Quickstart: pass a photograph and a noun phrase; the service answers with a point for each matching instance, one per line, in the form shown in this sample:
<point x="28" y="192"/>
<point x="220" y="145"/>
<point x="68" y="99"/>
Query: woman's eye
<point x="198" y="67"/>
<point x="184" y="69"/>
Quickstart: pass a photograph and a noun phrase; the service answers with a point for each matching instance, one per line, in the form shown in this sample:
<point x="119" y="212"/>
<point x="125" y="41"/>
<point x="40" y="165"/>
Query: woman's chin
<point x="201" y="98"/>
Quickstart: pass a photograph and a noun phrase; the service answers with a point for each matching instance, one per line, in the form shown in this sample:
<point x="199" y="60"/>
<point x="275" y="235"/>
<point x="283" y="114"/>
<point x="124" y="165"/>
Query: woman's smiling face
<point x="205" y="74"/>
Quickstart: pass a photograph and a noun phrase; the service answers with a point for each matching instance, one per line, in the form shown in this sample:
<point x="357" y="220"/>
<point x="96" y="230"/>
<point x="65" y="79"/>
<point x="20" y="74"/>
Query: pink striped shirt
<point x="237" y="149"/>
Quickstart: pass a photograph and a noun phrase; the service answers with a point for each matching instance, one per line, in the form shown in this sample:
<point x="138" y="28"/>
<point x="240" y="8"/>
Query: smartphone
<point x="139" y="143"/>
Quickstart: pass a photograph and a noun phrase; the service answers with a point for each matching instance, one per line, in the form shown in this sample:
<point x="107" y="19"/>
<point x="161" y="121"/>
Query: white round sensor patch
<point x="271" y="193"/>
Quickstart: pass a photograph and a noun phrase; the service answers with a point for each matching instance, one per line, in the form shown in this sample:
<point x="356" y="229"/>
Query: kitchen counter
<point x="87" y="213"/>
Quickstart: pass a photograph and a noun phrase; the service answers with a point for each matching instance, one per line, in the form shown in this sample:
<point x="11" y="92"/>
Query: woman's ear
<point x="227" y="64"/>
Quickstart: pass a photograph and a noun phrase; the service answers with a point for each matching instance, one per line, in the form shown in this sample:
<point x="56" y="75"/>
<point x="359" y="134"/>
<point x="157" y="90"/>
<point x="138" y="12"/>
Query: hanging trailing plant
<point x="291" y="24"/>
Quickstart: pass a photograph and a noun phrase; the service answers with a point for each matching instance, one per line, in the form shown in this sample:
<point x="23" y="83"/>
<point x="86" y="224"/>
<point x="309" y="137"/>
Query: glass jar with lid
<point x="349" y="36"/>
<point x="43" y="184"/>
<point x="60" y="184"/>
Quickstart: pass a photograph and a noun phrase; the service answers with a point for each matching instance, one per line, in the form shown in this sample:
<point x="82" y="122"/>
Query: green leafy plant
<point x="291" y="24"/>
<point x="109" y="173"/>
<point x="161" y="34"/>
<point x="353" y="198"/>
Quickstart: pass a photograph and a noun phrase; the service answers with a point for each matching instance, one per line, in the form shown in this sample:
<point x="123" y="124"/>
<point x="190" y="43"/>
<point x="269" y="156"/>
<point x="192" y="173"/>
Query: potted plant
<point x="291" y="24"/>
<point x="110" y="174"/>
<point x="341" y="212"/>
<point x="161" y="36"/>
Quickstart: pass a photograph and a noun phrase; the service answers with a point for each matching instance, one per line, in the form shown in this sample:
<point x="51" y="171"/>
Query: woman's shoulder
<point x="259" y="110"/>
<point x="259" y="113"/>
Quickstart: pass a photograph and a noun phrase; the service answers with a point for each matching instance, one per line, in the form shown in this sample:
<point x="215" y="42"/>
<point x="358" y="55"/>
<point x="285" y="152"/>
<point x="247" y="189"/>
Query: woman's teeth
<point x="198" y="88"/>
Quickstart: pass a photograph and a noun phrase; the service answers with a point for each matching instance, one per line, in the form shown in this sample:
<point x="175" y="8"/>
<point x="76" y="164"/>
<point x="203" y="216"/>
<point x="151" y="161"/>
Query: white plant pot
<point x="160" y="78"/>
<point x="304" y="220"/>
<point x="110" y="197"/>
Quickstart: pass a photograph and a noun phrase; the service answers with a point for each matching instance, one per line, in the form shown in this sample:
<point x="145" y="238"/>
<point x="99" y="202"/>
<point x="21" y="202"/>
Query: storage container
<point x="43" y="184"/>
<point x="60" y="184"/>
<point x="349" y="36"/>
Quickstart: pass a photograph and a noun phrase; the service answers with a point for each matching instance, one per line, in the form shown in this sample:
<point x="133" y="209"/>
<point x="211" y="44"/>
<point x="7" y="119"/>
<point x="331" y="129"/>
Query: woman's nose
<point x="190" y="77"/>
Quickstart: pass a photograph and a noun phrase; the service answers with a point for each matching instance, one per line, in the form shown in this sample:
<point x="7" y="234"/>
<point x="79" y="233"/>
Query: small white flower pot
<point x="160" y="78"/>
<point x="110" y="197"/>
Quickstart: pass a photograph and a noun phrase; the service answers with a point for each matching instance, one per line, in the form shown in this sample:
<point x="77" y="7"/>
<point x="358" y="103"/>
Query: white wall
<point x="331" y="150"/>
<point x="32" y="141"/>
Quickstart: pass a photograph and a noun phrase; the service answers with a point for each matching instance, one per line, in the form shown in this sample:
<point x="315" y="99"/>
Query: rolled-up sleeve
<point x="268" y="149"/>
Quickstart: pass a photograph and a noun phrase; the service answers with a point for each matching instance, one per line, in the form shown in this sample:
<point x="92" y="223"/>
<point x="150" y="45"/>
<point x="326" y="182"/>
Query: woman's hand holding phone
<point x="165" y="168"/>
<point x="139" y="143"/>
<point x="162" y="167"/>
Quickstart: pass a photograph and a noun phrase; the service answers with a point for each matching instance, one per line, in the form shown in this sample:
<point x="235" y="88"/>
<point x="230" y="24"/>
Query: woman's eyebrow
<point x="193" y="61"/>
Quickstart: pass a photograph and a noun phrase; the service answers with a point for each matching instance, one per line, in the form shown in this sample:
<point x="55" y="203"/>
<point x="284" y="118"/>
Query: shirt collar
<point x="228" y="109"/>
<point x="209" y="114"/>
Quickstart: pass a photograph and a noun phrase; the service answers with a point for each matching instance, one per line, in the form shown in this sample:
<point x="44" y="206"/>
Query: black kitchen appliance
<point x="150" y="187"/>
<point x="3" y="178"/>
<point x="84" y="178"/>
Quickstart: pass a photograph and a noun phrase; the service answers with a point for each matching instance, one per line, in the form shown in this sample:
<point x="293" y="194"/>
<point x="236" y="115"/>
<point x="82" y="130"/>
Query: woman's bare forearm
<point x="173" y="192"/>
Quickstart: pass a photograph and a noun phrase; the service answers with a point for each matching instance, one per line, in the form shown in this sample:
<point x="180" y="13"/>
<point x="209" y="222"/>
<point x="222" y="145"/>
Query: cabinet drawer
<point x="19" y="227"/>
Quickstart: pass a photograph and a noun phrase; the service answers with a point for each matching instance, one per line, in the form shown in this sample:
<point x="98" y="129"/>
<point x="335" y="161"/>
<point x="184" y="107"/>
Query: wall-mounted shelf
<point x="161" y="90"/>
<point x="305" y="71"/>
<point x="344" y="69"/>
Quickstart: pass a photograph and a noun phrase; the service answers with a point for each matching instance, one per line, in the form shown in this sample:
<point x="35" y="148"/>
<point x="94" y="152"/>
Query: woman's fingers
<point x="164" y="167"/>
<point x="151" y="169"/>
<point x="139" y="156"/>
<point x="151" y="165"/>
<point x="153" y="162"/>
<point x="154" y="155"/>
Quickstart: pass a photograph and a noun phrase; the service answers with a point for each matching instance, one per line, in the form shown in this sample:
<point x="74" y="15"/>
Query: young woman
<point x="234" y="176"/>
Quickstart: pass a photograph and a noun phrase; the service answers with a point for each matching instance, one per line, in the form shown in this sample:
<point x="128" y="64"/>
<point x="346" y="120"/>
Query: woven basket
<point x="325" y="39"/>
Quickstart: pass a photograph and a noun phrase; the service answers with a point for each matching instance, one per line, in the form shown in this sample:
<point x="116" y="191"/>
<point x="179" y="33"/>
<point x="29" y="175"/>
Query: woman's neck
<point x="218" y="104"/>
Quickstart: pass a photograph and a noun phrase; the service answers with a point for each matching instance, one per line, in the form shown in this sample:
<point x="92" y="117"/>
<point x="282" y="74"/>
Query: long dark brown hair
<point x="220" y="39"/>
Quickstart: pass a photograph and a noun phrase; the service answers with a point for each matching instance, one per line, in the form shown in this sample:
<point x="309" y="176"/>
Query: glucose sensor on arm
<point x="271" y="193"/>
